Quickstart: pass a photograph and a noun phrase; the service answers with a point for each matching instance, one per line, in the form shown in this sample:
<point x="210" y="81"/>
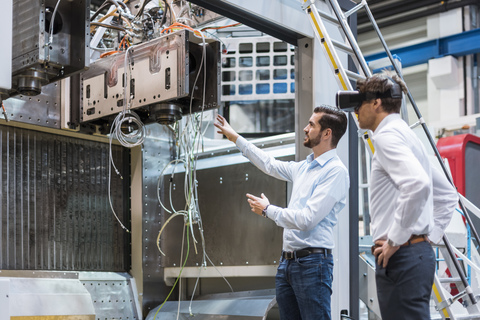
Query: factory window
<point x="263" y="88"/>
<point x="245" y="75"/>
<point x="280" y="60"/>
<point x="245" y="48"/>
<point x="279" y="88"/>
<point x="228" y="63"/>
<point x="280" y="46"/>
<point x="261" y="91"/>
<point x="263" y="61"/>
<point x="245" y="89"/>
<point x="263" y="47"/>
<point x="261" y="117"/>
<point x="228" y="90"/>
<point x="263" y="74"/>
<point x="280" y="74"/>
<point x="228" y="76"/>
<point x="245" y="61"/>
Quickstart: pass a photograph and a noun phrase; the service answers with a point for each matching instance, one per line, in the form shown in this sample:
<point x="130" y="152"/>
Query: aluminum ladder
<point x="344" y="78"/>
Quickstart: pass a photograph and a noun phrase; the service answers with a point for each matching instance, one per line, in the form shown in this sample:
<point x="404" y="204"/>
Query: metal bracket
<point x="307" y="4"/>
<point x="448" y="302"/>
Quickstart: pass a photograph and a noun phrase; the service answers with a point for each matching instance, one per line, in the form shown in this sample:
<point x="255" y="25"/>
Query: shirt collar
<point x="388" y="119"/>
<point x="323" y="158"/>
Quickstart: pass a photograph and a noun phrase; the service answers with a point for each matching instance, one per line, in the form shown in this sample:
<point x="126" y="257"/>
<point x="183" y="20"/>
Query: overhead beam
<point x="283" y="19"/>
<point x="457" y="45"/>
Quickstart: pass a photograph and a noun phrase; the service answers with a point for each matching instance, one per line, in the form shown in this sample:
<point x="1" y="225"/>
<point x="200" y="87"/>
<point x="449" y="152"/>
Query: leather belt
<point x="413" y="239"/>
<point x="288" y="255"/>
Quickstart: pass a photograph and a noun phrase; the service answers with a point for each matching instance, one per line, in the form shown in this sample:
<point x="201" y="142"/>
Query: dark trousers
<point x="405" y="285"/>
<point x="304" y="286"/>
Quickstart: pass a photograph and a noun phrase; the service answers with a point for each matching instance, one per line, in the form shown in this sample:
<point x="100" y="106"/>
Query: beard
<point x="310" y="143"/>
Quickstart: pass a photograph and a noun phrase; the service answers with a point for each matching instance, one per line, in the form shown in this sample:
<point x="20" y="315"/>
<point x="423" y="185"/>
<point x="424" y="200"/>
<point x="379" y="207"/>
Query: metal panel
<point x="283" y="19"/>
<point x="6" y="55"/>
<point x="49" y="297"/>
<point x="37" y="62"/>
<point x="4" y="301"/>
<point x="231" y="306"/>
<point x="232" y="232"/>
<point x="54" y="212"/>
<point x="27" y="29"/>
<point x="156" y="153"/>
<point x="161" y="70"/>
<point x="42" y="110"/>
<point x="111" y="293"/>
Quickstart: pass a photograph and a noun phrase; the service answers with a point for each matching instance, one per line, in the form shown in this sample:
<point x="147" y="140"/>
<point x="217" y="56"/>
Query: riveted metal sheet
<point x="234" y="235"/>
<point x="64" y="317"/>
<point x="157" y="152"/>
<point x="42" y="110"/>
<point x="54" y="211"/>
<point x="112" y="294"/>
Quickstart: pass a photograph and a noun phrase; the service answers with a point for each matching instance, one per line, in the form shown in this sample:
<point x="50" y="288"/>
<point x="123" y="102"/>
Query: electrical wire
<point x="50" y="38"/>
<point x="132" y="122"/>
<point x="222" y="27"/>
<point x="189" y="141"/>
<point x="179" y="274"/>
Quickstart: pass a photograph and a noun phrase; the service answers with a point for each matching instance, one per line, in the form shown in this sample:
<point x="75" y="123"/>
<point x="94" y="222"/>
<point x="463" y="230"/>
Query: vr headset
<point x="351" y="100"/>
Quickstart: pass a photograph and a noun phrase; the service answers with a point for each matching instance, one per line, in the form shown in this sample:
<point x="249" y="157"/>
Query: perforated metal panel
<point x="54" y="211"/>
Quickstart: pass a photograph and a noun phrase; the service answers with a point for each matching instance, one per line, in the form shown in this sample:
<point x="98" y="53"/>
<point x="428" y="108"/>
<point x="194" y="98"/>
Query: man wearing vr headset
<point x="411" y="202"/>
<point x="320" y="185"/>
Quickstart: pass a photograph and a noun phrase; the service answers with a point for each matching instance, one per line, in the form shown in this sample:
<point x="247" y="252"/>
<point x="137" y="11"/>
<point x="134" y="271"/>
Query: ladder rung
<point x="342" y="46"/>
<point x="449" y="280"/>
<point x="467" y="317"/>
<point x="328" y="17"/>
<point x="355" y="9"/>
<point x="353" y="75"/>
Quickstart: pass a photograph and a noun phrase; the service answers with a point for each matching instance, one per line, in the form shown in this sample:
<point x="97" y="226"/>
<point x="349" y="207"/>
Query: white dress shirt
<point x="319" y="191"/>
<point x="408" y="195"/>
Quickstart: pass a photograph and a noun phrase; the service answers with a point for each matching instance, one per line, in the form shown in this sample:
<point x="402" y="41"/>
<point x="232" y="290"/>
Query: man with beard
<point x="320" y="185"/>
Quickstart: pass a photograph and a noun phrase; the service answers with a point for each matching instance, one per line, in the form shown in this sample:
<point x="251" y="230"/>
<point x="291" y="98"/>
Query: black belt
<point x="304" y="252"/>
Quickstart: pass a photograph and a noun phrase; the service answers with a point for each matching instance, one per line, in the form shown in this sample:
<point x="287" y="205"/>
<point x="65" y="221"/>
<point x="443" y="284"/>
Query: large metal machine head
<point x="160" y="80"/>
<point x="49" y="42"/>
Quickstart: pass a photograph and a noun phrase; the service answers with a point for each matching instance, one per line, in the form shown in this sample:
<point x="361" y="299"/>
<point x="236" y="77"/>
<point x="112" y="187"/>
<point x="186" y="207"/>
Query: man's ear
<point x="377" y="105"/>
<point x="327" y="132"/>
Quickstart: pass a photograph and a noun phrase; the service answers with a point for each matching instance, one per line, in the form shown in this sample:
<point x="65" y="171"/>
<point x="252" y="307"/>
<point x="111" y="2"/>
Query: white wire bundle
<point x="133" y="136"/>
<point x="189" y="144"/>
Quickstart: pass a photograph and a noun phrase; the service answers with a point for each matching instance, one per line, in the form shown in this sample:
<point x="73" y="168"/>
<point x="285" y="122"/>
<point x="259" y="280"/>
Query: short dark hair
<point x="334" y="119"/>
<point x="380" y="83"/>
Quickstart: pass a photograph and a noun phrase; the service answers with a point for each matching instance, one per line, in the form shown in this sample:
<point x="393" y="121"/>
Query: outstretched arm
<point x="225" y="129"/>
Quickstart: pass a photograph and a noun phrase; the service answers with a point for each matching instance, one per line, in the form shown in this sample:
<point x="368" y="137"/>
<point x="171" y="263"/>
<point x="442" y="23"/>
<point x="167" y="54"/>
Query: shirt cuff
<point x="241" y="143"/>
<point x="398" y="234"/>
<point x="436" y="235"/>
<point x="271" y="212"/>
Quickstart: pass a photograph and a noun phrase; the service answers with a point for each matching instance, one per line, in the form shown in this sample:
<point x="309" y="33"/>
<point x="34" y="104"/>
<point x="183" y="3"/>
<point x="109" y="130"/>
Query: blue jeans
<point x="405" y="285"/>
<point x="304" y="287"/>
